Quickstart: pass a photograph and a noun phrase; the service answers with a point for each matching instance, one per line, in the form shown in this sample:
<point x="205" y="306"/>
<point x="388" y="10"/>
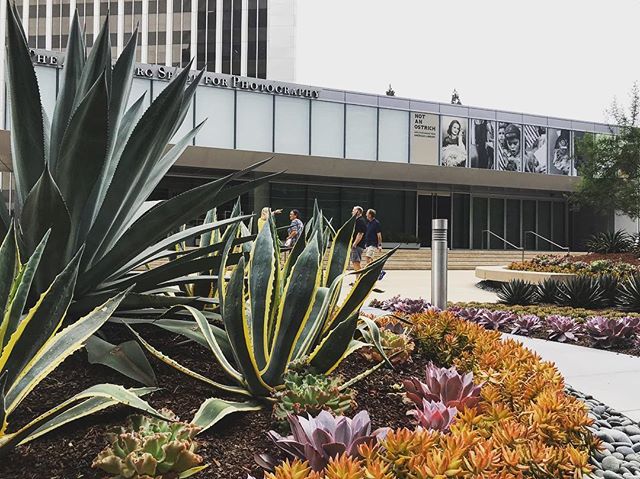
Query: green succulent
<point x="310" y="394"/>
<point x="149" y="448"/>
<point x="396" y="343"/>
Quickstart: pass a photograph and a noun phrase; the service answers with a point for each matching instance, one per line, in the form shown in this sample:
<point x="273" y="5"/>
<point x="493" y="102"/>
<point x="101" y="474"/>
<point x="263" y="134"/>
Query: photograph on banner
<point x="559" y="151"/>
<point x="509" y="146"/>
<point x="424" y="138"/>
<point x="535" y="149"/>
<point x="482" y="141"/>
<point x="453" y="145"/>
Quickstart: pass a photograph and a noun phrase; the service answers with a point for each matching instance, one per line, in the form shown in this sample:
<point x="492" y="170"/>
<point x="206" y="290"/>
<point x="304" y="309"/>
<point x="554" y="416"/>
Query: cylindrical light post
<point x="439" y="266"/>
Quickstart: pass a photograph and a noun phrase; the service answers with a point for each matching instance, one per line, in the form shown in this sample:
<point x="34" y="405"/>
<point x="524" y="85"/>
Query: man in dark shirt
<point x="372" y="237"/>
<point x="357" y="242"/>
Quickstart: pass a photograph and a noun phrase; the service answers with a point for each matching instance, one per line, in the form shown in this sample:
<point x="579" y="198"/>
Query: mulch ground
<point x="68" y="452"/>
<point x="615" y="257"/>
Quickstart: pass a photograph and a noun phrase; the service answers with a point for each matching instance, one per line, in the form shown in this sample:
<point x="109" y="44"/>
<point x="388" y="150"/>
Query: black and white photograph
<point x="453" y="146"/>
<point x="535" y="149"/>
<point x="509" y="147"/>
<point x="559" y="152"/>
<point x="482" y="141"/>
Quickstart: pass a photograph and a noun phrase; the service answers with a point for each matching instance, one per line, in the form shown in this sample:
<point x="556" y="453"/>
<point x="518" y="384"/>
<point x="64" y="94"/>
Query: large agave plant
<point x="276" y="315"/>
<point x="34" y="344"/>
<point x="629" y="293"/>
<point x="580" y="292"/>
<point x="609" y="242"/>
<point x="87" y="173"/>
<point x="517" y="292"/>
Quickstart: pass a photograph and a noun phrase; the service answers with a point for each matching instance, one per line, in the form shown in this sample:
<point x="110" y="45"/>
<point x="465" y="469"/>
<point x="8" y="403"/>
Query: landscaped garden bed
<point x="592" y="264"/>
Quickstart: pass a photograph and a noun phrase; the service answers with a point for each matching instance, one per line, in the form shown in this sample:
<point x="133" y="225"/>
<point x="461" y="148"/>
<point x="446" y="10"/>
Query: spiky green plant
<point x="617" y="241"/>
<point x="580" y="292"/>
<point x="629" y="294"/>
<point x="151" y="448"/>
<point x="517" y="291"/>
<point x="310" y="394"/>
<point x="275" y="315"/>
<point x="87" y="173"/>
<point x="547" y="291"/>
<point x="32" y="345"/>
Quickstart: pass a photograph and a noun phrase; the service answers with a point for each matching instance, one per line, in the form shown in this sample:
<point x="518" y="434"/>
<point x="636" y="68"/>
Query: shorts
<point x="370" y="251"/>
<point x="356" y="254"/>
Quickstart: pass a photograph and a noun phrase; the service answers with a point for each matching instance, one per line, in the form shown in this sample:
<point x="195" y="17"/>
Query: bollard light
<point x="439" y="258"/>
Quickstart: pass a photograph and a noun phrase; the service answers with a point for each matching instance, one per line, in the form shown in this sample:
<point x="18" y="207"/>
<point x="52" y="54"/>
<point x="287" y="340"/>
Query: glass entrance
<point x="432" y="206"/>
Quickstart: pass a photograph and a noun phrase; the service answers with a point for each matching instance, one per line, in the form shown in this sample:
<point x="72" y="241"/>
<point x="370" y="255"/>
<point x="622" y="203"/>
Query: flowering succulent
<point x="447" y="386"/>
<point x="402" y="305"/>
<point x="312" y="393"/>
<point x="609" y="332"/>
<point x="562" y="328"/>
<point x="526" y="324"/>
<point x="396" y="343"/>
<point x="470" y="314"/>
<point x="434" y="416"/>
<point x="318" y="439"/>
<point x="495" y="320"/>
<point x="151" y="448"/>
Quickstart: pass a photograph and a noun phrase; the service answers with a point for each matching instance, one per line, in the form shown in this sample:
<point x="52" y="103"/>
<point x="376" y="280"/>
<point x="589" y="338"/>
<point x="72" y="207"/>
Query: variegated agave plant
<point x="275" y="315"/>
<point x="33" y="345"/>
<point x="87" y="173"/>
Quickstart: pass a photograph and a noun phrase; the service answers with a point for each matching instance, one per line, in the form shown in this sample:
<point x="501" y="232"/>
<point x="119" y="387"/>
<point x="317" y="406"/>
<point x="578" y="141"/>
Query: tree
<point x="609" y="164"/>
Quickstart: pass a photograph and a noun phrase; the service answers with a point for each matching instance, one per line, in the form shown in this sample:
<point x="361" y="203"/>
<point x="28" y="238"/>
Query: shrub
<point x="609" y="242"/>
<point x="580" y="292"/>
<point x="395" y="342"/>
<point x="629" y="294"/>
<point x="562" y="328"/>
<point x="446" y="386"/>
<point x="609" y="332"/>
<point x="152" y="448"/>
<point x="310" y="394"/>
<point x="317" y="439"/>
<point x="517" y="291"/>
<point x="526" y="325"/>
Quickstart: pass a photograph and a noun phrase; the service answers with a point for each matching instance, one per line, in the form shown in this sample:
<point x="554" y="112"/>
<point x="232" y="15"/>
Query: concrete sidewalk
<point x="609" y="377"/>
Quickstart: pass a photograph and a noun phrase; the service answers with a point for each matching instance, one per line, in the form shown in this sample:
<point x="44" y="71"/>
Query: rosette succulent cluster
<point x="562" y="328"/>
<point x="150" y="448"/>
<point x="310" y="394"/>
<point x="398" y="304"/>
<point x="526" y="325"/>
<point x="396" y="343"/>
<point x="610" y="332"/>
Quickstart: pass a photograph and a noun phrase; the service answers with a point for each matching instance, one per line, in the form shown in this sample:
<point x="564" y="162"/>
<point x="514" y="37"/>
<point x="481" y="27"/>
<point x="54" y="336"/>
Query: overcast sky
<point x="564" y="58"/>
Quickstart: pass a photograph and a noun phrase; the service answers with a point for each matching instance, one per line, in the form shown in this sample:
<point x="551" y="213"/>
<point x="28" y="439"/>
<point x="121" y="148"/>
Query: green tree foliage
<point x="609" y="165"/>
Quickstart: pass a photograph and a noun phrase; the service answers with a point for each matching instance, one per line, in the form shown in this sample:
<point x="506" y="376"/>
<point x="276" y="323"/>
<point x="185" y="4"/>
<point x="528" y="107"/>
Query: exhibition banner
<point x="424" y="138"/>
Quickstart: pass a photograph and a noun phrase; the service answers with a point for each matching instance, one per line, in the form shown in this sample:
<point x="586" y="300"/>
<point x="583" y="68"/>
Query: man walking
<point x="357" y="241"/>
<point x="373" y="242"/>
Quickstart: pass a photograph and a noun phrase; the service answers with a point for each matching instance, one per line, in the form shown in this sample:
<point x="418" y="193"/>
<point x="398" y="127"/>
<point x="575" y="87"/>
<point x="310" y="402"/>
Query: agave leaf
<point x="296" y="251"/>
<point x="371" y="332"/>
<point x="192" y="471"/>
<point x="127" y="124"/>
<point x="313" y="327"/>
<point x="58" y="348"/>
<point x="71" y="73"/>
<point x="127" y="358"/>
<point x="44" y="209"/>
<point x="8" y="269"/>
<point x="81" y="405"/>
<point x="82" y="156"/>
<point x="295" y="309"/>
<point x="19" y="288"/>
<point x="213" y="410"/>
<point x="336" y="346"/>
<point x="131" y="301"/>
<point x="5" y="219"/>
<point x="340" y="252"/>
<point x="27" y="125"/>
<point x="41" y="322"/>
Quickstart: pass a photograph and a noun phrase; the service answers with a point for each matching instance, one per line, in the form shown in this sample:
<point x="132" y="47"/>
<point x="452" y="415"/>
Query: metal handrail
<point x="563" y="248"/>
<point x="519" y="248"/>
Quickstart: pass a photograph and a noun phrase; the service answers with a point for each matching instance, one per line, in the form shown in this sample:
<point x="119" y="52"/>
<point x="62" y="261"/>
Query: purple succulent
<point x="404" y="305"/>
<point x="318" y="439"/>
<point x="447" y="386"/>
<point x="526" y="325"/>
<point x="434" y="416"/>
<point x="470" y="314"/>
<point x="496" y="320"/>
<point x="609" y="332"/>
<point x="562" y="328"/>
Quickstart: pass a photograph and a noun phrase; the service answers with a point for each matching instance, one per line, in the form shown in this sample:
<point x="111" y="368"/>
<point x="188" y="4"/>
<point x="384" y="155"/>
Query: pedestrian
<point x="373" y="242"/>
<point x="264" y="216"/>
<point x="295" y="229"/>
<point x="357" y="241"/>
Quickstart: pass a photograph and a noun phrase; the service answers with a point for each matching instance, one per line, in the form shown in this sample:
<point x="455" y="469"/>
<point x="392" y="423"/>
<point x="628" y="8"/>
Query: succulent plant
<point x="629" y="293"/>
<point x="470" y="314"/>
<point x="318" y="439"/>
<point x="548" y="291"/>
<point x="518" y="292"/>
<point x="609" y="242"/>
<point x="610" y="332"/>
<point x="434" y="416"/>
<point x="496" y="320"/>
<point x="402" y="305"/>
<point x="562" y="328"/>
<point x="447" y="386"/>
<point x="396" y="343"/>
<point x="150" y="448"/>
<point x="580" y="292"/>
<point x="526" y="324"/>
<point x="310" y="394"/>
<point x="608" y="283"/>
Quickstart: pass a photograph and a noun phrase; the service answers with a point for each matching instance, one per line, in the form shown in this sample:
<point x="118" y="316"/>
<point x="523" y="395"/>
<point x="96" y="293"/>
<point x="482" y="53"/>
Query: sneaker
<point x="382" y="273"/>
<point x="378" y="290"/>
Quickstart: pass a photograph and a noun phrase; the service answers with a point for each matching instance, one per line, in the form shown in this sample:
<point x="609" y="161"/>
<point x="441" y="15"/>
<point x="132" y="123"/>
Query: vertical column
<point x="96" y="19"/>
<point x="194" y="33"/>
<point x="48" y="26"/>
<point x="145" y="31"/>
<point x="244" y="38"/>
<point x="25" y="22"/>
<point x="439" y="258"/>
<point x="219" y="13"/>
<point x="120" y="34"/>
<point x="169" y="30"/>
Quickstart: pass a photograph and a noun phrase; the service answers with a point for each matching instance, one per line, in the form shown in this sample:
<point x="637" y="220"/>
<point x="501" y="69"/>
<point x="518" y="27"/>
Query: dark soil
<point x="615" y="257"/>
<point x="228" y="447"/>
